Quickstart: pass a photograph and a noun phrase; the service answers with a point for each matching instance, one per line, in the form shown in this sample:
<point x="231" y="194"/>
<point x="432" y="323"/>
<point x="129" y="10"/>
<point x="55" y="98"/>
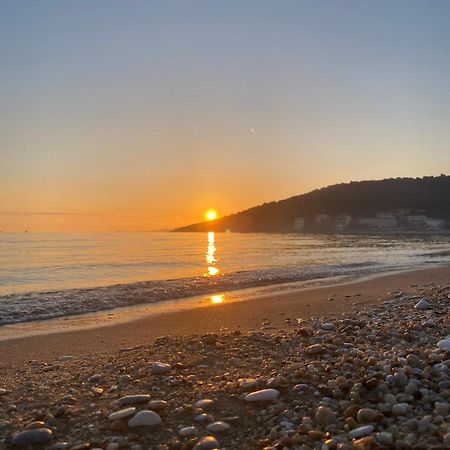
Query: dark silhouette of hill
<point x="428" y="196"/>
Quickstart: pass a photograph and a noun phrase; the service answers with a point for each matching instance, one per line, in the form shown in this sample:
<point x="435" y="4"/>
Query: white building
<point x="342" y="221"/>
<point x="322" y="219"/>
<point x="299" y="223"/>
<point x="416" y="221"/>
<point x="383" y="221"/>
<point x="434" y="224"/>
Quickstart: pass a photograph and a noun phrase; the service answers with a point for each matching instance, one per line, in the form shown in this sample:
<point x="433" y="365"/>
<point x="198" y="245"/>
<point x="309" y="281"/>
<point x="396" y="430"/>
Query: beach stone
<point x="35" y="424"/>
<point x="207" y="443"/>
<point x="218" y="427"/>
<point x="315" y="349"/>
<point x="34" y="436"/>
<point x="367" y="415"/>
<point x="446" y="440"/>
<point x="122" y="413"/>
<point x="325" y="416"/>
<point x="188" y="431"/>
<point x="400" y="409"/>
<point x="247" y="384"/>
<point x="422" y="305"/>
<point x="263" y="395"/>
<point x="134" y="399"/>
<point x="444" y="344"/>
<point x="157" y="405"/>
<point x="361" y="431"/>
<point x="3" y="391"/>
<point x="328" y="326"/>
<point x="364" y="443"/>
<point x="204" y="403"/>
<point x="385" y="438"/>
<point x="159" y="368"/>
<point x="441" y="408"/>
<point x="210" y="339"/>
<point x="58" y="446"/>
<point x="144" y="419"/>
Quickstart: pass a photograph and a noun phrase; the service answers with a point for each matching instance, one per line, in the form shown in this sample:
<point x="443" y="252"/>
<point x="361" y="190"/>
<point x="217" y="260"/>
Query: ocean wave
<point x="32" y="306"/>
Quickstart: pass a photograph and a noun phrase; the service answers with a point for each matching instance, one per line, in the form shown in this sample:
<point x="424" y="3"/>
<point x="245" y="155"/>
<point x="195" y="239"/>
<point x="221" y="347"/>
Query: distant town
<point x="404" y="219"/>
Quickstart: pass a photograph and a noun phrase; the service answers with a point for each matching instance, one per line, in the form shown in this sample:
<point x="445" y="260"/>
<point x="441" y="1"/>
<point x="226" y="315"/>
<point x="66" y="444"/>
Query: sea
<point x="48" y="275"/>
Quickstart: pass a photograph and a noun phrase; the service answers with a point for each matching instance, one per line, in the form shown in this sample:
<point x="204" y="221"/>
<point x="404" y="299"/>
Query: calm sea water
<point x="50" y="275"/>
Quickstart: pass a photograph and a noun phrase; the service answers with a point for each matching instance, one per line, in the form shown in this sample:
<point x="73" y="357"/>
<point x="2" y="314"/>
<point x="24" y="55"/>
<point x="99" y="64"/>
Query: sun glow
<point x="211" y="214"/>
<point x="217" y="299"/>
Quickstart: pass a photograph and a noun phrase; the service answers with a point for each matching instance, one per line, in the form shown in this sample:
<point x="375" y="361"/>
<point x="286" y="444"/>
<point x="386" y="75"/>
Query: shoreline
<point x="244" y="314"/>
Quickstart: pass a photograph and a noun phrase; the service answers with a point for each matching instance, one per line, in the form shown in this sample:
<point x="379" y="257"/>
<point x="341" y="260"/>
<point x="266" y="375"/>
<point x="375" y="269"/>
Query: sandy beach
<point x="362" y="365"/>
<point x="100" y="338"/>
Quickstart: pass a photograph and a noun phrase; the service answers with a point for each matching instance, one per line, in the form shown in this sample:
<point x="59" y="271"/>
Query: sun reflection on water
<point x="210" y="256"/>
<point x="217" y="299"/>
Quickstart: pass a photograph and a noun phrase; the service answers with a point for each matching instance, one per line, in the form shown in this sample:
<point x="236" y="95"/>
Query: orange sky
<point x="140" y="116"/>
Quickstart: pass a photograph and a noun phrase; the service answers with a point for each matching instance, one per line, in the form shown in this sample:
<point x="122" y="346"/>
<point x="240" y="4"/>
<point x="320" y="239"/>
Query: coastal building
<point x="299" y="223"/>
<point x="416" y="220"/>
<point x="383" y="221"/>
<point x="434" y="224"/>
<point x="322" y="219"/>
<point x="342" y="221"/>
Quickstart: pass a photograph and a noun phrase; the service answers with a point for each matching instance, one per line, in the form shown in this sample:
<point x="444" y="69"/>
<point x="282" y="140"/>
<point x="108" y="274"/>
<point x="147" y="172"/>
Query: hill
<point x="396" y="204"/>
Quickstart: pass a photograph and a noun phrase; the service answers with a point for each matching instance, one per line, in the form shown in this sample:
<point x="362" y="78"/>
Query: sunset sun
<point x="211" y="214"/>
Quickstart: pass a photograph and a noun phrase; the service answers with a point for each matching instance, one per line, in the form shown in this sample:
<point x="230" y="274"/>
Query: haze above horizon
<point x="144" y="115"/>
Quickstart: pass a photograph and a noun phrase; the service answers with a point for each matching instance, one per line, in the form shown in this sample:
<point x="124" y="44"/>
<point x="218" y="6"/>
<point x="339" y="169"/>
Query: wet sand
<point x="246" y="315"/>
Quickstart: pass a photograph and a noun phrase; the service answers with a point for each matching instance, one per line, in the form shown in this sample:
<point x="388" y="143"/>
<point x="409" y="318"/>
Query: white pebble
<point x="217" y="427"/>
<point x="122" y="413"/>
<point x="144" y="419"/>
<point x="264" y="395"/>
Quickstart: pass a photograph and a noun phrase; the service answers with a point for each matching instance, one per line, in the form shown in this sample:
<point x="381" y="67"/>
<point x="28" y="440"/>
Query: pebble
<point x="361" y="431"/>
<point x="188" y="432"/>
<point x="400" y="409"/>
<point x="144" y="419"/>
<point x="207" y="443"/>
<point x="367" y="415"/>
<point x="315" y="349"/>
<point x="122" y="413"/>
<point x="159" y="368"/>
<point x="33" y="437"/>
<point x="422" y="305"/>
<point x="3" y="391"/>
<point x="204" y="403"/>
<point x="263" y="395"/>
<point x="444" y="344"/>
<point x="325" y="416"/>
<point x="157" y="405"/>
<point x="385" y="438"/>
<point x="441" y="408"/>
<point x="134" y="399"/>
<point x="218" y="427"/>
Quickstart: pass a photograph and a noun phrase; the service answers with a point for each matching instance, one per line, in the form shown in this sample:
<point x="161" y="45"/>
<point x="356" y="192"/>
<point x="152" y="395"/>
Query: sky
<point x="140" y="115"/>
